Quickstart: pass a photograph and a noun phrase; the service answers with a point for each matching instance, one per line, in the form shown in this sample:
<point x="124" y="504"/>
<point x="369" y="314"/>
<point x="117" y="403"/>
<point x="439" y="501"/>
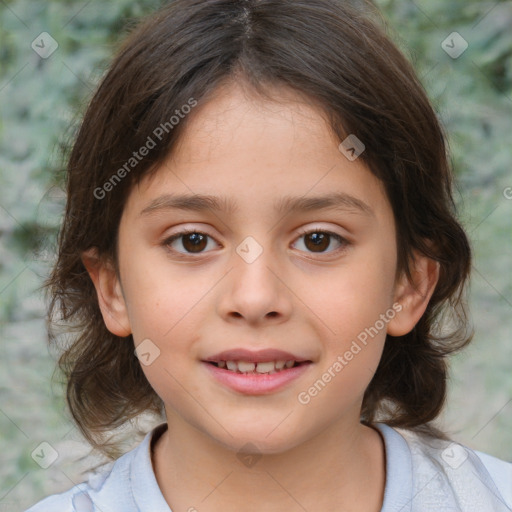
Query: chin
<point x="261" y="439"/>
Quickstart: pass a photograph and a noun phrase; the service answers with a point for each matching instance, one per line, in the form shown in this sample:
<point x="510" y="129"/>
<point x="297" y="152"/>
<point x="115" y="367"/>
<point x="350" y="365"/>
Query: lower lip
<point x="257" y="384"/>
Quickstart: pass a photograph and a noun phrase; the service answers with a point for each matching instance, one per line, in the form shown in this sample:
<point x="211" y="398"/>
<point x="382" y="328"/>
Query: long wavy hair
<point x="340" y="58"/>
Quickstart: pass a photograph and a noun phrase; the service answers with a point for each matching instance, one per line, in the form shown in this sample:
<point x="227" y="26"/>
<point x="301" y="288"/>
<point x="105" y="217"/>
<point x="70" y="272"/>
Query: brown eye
<point x="194" y="242"/>
<point x="190" y="242"/>
<point x="319" y="241"/>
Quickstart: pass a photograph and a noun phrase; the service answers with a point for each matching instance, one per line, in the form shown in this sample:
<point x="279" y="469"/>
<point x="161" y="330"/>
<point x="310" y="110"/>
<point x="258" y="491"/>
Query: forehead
<point x="254" y="153"/>
<point x="235" y="118"/>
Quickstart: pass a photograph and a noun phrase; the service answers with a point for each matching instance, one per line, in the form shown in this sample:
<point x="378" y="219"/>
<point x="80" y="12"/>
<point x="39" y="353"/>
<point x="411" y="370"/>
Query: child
<point x="259" y="205"/>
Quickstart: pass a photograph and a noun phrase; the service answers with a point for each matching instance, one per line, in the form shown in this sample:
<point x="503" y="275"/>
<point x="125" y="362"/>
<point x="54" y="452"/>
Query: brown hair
<point x="341" y="60"/>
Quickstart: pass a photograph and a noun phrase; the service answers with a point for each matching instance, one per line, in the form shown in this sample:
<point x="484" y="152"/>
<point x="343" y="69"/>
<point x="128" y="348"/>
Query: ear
<point x="414" y="294"/>
<point x="110" y="295"/>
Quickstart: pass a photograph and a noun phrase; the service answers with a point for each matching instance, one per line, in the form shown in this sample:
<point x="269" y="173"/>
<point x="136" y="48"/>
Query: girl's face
<point x="247" y="285"/>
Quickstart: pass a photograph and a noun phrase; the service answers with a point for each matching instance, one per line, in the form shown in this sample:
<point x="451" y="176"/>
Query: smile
<point x="255" y="368"/>
<point x="256" y="372"/>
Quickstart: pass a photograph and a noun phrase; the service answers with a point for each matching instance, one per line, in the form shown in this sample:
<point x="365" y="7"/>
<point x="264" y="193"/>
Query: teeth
<point x="246" y="367"/>
<point x="265" y="367"/>
<point x="269" y="367"/>
<point x="232" y="366"/>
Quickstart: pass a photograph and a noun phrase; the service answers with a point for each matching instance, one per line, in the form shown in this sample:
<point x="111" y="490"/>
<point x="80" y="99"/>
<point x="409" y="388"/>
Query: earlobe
<point x="414" y="294"/>
<point x="109" y="293"/>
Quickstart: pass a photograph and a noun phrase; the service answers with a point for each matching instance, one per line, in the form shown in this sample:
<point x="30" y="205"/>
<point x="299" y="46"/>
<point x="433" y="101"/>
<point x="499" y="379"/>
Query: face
<point x="265" y="274"/>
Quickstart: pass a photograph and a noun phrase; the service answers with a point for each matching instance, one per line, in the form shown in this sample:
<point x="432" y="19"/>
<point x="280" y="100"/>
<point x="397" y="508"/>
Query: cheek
<point x="159" y="295"/>
<point x="354" y="294"/>
<point x="354" y="304"/>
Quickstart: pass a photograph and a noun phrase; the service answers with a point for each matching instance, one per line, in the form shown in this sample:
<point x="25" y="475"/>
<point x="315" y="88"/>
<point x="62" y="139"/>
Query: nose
<point x="255" y="290"/>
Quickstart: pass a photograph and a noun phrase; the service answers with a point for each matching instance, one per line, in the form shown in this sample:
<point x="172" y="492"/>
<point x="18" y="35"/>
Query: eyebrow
<point x="288" y="204"/>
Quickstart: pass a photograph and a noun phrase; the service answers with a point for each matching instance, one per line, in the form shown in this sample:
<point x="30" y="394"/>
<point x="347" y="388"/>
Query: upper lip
<point x="255" y="356"/>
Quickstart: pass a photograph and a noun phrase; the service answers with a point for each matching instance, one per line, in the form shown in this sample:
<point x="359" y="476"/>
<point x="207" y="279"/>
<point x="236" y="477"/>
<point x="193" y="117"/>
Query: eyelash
<point x="344" y="243"/>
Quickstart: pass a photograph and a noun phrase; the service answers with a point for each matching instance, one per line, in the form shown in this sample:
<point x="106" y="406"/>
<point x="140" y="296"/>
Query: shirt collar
<point x="146" y="493"/>
<point x="399" y="470"/>
<point x="397" y="493"/>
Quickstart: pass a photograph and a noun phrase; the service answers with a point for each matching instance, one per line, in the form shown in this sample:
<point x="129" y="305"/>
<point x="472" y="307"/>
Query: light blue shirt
<point x="421" y="476"/>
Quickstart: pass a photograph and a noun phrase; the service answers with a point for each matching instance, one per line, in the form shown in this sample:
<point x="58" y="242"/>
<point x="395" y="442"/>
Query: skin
<point x="314" y="456"/>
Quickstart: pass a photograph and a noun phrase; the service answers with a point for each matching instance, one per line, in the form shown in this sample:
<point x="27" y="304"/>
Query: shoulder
<point x="501" y="473"/>
<point x="111" y="480"/>
<point x="126" y="485"/>
<point x="472" y="480"/>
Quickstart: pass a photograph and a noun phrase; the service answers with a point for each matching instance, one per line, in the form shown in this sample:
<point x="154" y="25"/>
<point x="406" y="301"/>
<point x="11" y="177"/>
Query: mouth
<point x="256" y="372"/>
<point x="257" y="368"/>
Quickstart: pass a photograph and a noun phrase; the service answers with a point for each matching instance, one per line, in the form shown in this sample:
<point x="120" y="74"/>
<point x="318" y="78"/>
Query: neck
<point x="342" y="468"/>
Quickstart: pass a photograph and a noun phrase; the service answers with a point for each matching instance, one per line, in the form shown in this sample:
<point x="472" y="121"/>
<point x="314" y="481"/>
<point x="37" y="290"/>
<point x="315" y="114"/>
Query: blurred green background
<point x="40" y="102"/>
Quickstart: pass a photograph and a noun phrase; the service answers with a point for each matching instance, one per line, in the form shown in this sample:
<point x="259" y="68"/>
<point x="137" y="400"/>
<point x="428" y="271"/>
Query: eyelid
<point x="319" y="229"/>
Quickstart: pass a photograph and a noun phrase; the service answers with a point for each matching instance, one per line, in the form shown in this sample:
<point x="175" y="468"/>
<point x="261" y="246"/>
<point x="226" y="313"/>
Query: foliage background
<point x="40" y="102"/>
